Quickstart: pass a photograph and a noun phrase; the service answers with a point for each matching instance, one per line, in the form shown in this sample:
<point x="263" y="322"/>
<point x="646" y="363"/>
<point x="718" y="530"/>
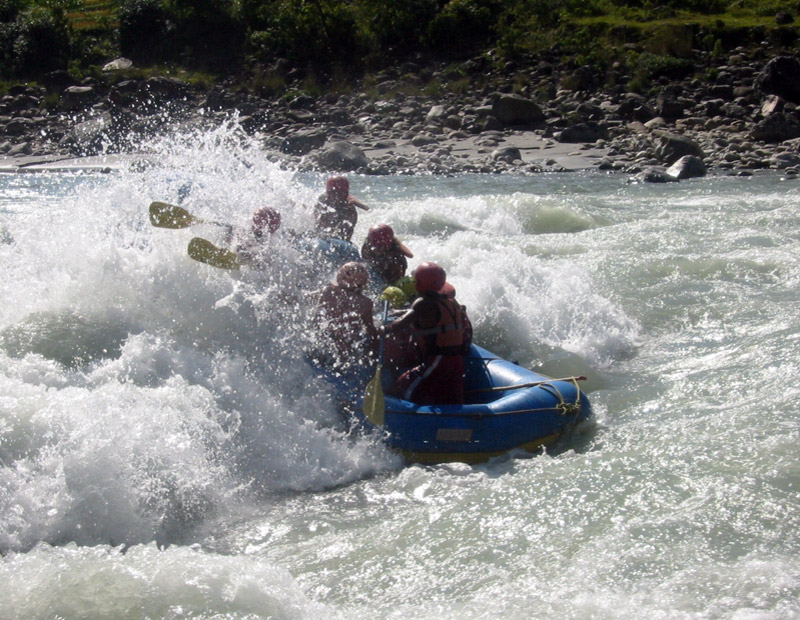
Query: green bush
<point x="317" y="33"/>
<point x="208" y="33"/>
<point x="42" y="43"/>
<point x="654" y="66"/>
<point x="9" y="9"/>
<point x="144" y="30"/>
<point x="463" y="26"/>
<point x="398" y="26"/>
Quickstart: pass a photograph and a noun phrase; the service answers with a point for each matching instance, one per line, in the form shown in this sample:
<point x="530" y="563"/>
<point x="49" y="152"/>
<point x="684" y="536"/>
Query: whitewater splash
<point x="145" y="393"/>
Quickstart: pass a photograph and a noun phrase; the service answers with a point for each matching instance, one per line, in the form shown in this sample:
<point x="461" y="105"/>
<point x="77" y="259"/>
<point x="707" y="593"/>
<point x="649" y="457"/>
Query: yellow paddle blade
<point x="165" y="215"/>
<point x="206" y="252"/>
<point x="374" y="404"/>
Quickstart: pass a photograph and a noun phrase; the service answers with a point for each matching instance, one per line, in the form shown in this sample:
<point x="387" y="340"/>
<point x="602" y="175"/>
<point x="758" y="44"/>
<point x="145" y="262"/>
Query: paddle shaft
<point x="382" y="338"/>
<point x="374" y="403"/>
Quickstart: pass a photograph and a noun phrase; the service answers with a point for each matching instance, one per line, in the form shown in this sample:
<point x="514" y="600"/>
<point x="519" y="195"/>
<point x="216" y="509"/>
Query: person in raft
<point x="385" y="254"/>
<point x="438" y="321"/>
<point x="335" y="212"/>
<point x="252" y="242"/>
<point x="343" y="319"/>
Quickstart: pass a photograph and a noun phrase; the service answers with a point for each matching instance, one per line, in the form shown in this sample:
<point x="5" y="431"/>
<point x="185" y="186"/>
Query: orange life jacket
<point x="447" y="337"/>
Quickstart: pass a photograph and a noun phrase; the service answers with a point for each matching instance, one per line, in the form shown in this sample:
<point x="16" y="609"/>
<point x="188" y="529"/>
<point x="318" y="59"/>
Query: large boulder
<point x="590" y="131"/>
<point x="508" y="154"/>
<point x="118" y="64"/>
<point x="18" y="126"/>
<point x="303" y="142"/>
<point x="776" y="127"/>
<point x="88" y="137"/>
<point x="781" y="76"/>
<point x="687" y="167"/>
<point x="668" y="106"/>
<point x="341" y="156"/>
<point x="77" y="97"/>
<point x="671" y="147"/>
<point x="652" y="175"/>
<point x="516" y="110"/>
<point x="635" y="107"/>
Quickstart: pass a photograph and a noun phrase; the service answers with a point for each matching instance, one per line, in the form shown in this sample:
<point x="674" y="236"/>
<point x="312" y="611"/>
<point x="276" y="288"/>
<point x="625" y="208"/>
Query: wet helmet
<point x="380" y="237"/>
<point x="394" y="296"/>
<point x="338" y="186"/>
<point x="266" y="219"/>
<point x="429" y="277"/>
<point x="406" y="284"/>
<point x="448" y="290"/>
<point x="352" y="276"/>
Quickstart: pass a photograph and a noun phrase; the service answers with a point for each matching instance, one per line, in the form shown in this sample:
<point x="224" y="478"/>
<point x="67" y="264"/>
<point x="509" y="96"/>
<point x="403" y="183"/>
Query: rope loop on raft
<point x="563" y="407"/>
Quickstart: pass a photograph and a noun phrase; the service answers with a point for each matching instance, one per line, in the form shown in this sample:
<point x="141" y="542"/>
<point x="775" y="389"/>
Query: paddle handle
<point x="382" y="338"/>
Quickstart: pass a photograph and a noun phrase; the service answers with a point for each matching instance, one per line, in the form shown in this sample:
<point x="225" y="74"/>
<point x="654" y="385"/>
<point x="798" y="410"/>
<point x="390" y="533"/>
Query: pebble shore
<point x="746" y="119"/>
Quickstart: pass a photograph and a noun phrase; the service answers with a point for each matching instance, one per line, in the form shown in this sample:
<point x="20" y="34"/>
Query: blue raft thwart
<point x="507" y="407"/>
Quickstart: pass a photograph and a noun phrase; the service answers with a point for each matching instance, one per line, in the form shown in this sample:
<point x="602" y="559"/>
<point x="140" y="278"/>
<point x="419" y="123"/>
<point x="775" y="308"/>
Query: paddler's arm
<point x="423" y="314"/>
<point x="405" y="322"/>
<point x="356" y="202"/>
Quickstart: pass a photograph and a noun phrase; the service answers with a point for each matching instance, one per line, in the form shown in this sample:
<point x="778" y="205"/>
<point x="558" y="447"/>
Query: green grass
<point x="99" y="15"/>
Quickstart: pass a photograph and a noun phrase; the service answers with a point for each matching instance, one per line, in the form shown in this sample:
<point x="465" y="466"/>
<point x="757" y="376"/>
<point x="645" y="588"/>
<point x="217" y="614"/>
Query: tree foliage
<point x="325" y="36"/>
<point x="34" y="37"/>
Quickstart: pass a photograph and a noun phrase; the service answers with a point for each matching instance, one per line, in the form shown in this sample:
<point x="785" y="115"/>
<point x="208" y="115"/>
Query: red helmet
<point x="338" y="186"/>
<point x="352" y="276"/>
<point x="429" y="277"/>
<point x="266" y="218"/>
<point x="448" y="290"/>
<point x="380" y="237"/>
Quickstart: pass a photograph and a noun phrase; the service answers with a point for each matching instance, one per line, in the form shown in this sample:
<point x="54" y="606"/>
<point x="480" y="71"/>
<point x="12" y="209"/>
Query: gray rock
<point x="87" y="138"/>
<point x="76" y="97"/>
<point x="18" y="126"/>
<point x="584" y="132"/>
<point x="508" y="154"/>
<point x="342" y="156"/>
<point x="423" y="140"/>
<point x="118" y="65"/>
<point x="776" y="128"/>
<point x="687" y="167"/>
<point x="652" y="175"/>
<point x="671" y="147"/>
<point x="781" y="76"/>
<point x="772" y="104"/>
<point x="516" y="110"/>
<point x="23" y="148"/>
<point x="303" y="142"/>
<point x="436" y="112"/>
<point x="786" y="161"/>
<point x="668" y="107"/>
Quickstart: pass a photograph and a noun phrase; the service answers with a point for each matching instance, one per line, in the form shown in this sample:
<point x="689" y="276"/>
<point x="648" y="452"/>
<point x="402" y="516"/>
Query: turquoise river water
<point x="166" y="452"/>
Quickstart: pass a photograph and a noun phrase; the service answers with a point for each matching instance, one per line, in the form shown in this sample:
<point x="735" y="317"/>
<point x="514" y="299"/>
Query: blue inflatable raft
<point x="507" y="407"/>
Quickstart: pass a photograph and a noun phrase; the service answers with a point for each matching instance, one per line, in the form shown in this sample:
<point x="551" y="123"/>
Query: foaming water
<point x="166" y="451"/>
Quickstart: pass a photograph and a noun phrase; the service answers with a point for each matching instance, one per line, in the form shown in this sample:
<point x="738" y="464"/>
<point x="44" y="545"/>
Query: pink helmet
<point x="266" y="218"/>
<point x="429" y="277"/>
<point x="381" y="236"/>
<point x="352" y="276"/>
<point x="338" y="186"/>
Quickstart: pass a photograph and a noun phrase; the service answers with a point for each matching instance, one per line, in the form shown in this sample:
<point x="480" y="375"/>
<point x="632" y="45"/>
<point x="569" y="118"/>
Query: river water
<point x="166" y="452"/>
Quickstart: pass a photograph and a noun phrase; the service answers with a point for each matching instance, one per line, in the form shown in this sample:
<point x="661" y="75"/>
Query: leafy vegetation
<point x="327" y="42"/>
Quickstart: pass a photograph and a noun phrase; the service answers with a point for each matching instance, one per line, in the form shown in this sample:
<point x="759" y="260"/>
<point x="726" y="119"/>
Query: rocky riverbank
<point x="744" y="119"/>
